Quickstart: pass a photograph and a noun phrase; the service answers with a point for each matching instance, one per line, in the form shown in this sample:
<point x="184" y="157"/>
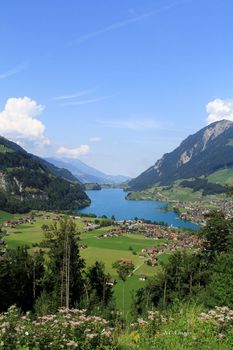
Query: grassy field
<point x="107" y="250"/>
<point x="179" y="193"/>
<point x="5" y="216"/>
<point x="222" y="177"/>
<point x="27" y="234"/>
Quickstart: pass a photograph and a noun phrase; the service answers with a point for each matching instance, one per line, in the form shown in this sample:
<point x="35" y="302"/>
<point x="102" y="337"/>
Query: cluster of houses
<point x="90" y="226"/>
<point x="82" y="246"/>
<point x="198" y="212"/>
<point x="20" y="221"/>
<point x="117" y="232"/>
<point x="177" y="239"/>
<point x="176" y="242"/>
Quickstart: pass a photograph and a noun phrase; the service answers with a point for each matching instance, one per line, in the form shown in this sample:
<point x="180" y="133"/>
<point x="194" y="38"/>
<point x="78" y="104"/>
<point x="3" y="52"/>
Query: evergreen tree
<point x="99" y="291"/>
<point x="220" y="288"/>
<point x="64" y="278"/>
<point x="217" y="235"/>
<point x="20" y="278"/>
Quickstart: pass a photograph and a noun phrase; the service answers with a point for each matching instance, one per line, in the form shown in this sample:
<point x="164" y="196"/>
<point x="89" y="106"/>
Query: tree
<point x="124" y="270"/>
<point x="217" y="235"/>
<point x="64" y="275"/>
<point x="20" y="278"/>
<point x="98" y="292"/>
<point x="2" y="233"/>
<point x="182" y="277"/>
<point x="220" y="288"/>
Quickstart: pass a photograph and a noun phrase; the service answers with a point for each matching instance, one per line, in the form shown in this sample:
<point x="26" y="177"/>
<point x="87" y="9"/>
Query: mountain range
<point x="201" y="156"/>
<point x="29" y="182"/>
<point x="85" y="173"/>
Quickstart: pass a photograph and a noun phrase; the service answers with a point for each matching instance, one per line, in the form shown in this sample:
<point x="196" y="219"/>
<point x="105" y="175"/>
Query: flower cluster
<point x="220" y="314"/>
<point x="222" y="317"/>
<point x="68" y="329"/>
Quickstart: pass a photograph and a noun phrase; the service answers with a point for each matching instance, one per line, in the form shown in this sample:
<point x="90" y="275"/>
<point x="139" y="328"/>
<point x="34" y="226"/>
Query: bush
<point x="68" y="329"/>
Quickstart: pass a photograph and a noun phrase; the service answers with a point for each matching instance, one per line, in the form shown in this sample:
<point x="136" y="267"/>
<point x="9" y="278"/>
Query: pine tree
<point x="64" y="277"/>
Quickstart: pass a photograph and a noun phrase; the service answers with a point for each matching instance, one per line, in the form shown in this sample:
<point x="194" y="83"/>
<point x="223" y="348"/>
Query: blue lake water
<point x="112" y="202"/>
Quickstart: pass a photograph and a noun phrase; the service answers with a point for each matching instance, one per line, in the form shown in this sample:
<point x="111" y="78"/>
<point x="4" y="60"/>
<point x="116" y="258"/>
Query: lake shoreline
<point x="112" y="202"/>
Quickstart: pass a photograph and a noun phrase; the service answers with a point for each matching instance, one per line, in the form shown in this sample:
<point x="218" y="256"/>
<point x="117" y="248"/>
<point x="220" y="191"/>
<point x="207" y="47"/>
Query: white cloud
<point x="95" y="139"/>
<point x="219" y="109"/>
<point x="18" y="122"/>
<point x="74" y="152"/>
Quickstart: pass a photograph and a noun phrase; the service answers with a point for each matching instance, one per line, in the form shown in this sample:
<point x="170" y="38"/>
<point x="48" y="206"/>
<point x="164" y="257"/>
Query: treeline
<point x="51" y="194"/>
<point x="44" y="283"/>
<point x="204" y="185"/>
<point x="204" y="277"/>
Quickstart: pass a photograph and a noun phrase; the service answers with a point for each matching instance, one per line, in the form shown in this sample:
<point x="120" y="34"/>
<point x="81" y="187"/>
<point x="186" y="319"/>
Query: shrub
<point x="68" y="329"/>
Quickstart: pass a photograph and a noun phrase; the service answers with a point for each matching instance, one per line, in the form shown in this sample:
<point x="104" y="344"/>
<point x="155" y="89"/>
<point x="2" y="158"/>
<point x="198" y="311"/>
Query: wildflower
<point x="92" y="335"/>
<point x="72" y="344"/>
<point x="142" y="322"/>
<point x="221" y="335"/>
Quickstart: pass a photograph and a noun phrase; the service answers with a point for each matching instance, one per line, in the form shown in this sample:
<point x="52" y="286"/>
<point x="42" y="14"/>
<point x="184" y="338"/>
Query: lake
<point x="112" y="202"/>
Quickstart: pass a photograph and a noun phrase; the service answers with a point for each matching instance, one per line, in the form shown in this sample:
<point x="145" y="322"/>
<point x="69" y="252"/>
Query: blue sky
<point x="115" y="83"/>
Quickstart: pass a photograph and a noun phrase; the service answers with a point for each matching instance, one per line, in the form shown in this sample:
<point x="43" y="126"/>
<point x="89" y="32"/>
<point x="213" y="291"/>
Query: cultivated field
<point x="107" y="250"/>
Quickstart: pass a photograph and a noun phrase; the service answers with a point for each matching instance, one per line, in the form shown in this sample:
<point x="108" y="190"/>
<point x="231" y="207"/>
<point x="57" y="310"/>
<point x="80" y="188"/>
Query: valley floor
<point x="106" y="250"/>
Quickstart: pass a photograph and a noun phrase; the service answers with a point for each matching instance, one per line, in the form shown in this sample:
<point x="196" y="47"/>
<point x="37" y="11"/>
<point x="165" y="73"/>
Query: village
<point x="172" y="239"/>
<point x="167" y="239"/>
<point x="198" y="212"/>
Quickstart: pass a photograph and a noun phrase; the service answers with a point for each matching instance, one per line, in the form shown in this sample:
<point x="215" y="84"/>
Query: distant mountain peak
<point x="86" y="173"/>
<point x="215" y="129"/>
<point x="199" y="154"/>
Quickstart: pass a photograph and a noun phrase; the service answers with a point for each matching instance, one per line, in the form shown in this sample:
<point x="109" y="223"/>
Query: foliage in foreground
<point x="183" y="327"/>
<point x="68" y="329"/>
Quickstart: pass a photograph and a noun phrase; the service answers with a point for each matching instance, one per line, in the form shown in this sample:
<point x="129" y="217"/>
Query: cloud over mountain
<point x="74" y="152"/>
<point x="219" y="109"/>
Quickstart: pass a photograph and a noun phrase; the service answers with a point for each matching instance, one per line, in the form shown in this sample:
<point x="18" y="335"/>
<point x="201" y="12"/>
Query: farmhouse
<point x="142" y="277"/>
<point x="126" y="261"/>
<point x="82" y="246"/>
<point x="111" y="282"/>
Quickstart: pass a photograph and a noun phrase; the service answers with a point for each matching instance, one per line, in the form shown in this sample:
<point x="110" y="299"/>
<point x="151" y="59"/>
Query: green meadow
<point x="107" y="250"/>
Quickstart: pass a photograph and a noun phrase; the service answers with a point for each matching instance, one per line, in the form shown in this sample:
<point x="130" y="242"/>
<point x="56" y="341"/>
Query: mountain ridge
<point x="86" y="173"/>
<point x="28" y="182"/>
<point x="206" y="151"/>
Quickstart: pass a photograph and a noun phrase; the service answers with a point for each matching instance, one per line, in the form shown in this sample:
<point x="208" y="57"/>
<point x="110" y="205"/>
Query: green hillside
<point x="207" y="152"/>
<point x="223" y="176"/>
<point x="27" y="182"/>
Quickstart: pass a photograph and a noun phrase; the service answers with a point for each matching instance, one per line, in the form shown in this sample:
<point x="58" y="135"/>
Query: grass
<point x="4" y="149"/>
<point x="26" y="234"/>
<point x="136" y="242"/>
<point x="181" y="330"/>
<point x="4" y="216"/>
<point x="107" y="250"/>
<point x="177" y="192"/>
<point x="222" y="177"/>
